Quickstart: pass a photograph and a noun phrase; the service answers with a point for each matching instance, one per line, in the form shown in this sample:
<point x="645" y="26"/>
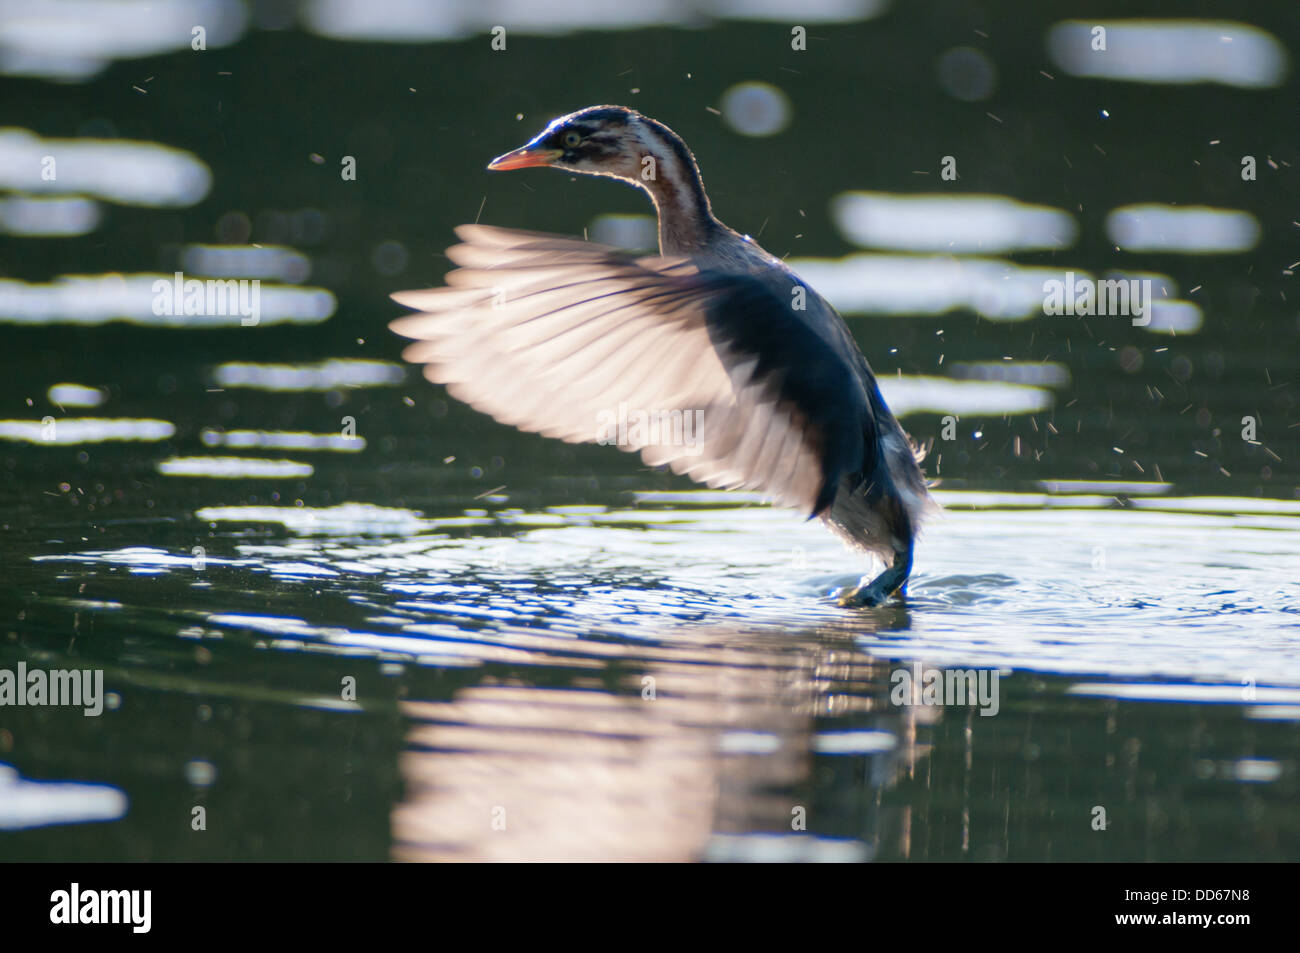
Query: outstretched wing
<point x="708" y="373"/>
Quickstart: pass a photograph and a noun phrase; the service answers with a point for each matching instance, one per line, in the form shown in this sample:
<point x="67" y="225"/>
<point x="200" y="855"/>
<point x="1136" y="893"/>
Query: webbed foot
<point x="868" y="596"/>
<point x="877" y="591"/>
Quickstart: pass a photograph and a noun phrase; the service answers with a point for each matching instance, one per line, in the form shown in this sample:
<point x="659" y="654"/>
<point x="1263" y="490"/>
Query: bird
<point x="558" y="336"/>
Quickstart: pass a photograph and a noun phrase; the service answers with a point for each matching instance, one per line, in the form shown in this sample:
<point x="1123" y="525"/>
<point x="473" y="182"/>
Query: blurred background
<point x="230" y="519"/>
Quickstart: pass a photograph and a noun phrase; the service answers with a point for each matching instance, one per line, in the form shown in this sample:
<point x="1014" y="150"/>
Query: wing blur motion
<point x="558" y="336"/>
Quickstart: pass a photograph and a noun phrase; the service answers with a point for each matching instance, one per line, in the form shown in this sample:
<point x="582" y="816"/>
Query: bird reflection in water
<point x="711" y="747"/>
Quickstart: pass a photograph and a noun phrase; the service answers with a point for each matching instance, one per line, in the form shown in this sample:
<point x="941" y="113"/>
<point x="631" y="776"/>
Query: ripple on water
<point x="1073" y="588"/>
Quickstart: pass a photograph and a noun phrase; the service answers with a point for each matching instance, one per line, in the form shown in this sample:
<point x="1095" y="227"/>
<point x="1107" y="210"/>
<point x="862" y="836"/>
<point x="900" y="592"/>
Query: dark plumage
<point x="546" y="333"/>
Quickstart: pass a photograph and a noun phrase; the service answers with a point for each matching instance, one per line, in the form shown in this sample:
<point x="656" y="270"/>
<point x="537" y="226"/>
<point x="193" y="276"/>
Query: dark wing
<point x="574" y="340"/>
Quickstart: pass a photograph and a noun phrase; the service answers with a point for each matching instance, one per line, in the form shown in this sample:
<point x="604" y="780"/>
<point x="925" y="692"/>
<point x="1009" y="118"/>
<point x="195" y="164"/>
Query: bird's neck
<point x="671" y="177"/>
<point x="686" y="223"/>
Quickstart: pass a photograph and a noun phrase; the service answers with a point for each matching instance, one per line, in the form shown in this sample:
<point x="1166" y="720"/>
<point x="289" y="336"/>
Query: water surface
<point x="341" y="616"/>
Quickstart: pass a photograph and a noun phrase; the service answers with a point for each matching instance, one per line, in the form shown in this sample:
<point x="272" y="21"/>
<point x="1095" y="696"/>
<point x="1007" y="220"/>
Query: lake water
<point x="339" y="615"/>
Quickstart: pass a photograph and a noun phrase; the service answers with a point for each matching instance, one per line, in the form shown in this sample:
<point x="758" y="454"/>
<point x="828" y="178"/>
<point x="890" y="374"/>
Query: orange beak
<point x="524" y="158"/>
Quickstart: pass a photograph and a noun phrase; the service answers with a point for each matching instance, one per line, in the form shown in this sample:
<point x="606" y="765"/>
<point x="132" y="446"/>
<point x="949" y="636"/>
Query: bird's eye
<point x="571" y="139"/>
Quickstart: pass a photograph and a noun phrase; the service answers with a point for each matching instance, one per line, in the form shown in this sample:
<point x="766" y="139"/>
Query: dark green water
<point x="1122" y="556"/>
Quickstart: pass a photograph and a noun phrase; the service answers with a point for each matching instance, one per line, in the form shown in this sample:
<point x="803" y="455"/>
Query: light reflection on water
<point x="917" y="392"/>
<point x="130" y="173"/>
<point x="53" y="431"/>
<point x="135" y="299"/>
<point x="25" y="803"/>
<point x="327" y="375"/>
<point x="402" y="21"/>
<point x="282" y="440"/>
<point x="229" y="468"/>
<point x="671" y="680"/>
<point x="990" y="224"/>
<point x="916" y="286"/>
<point x="1170" y="51"/>
<point x="1040" y="373"/>
<point x="48" y="216"/>
<point x="264" y="262"/>
<point x="1164" y="587"/>
<point x="919" y="285"/>
<point x="1195" y="230"/>
<point x="75" y="395"/>
<point x="66" y="40"/>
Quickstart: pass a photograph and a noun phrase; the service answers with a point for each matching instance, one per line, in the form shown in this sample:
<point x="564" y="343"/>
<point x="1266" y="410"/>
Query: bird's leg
<point x="893" y="579"/>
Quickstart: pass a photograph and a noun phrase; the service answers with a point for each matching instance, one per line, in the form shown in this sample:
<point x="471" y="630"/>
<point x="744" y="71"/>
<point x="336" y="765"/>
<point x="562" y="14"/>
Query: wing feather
<point x="559" y="336"/>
